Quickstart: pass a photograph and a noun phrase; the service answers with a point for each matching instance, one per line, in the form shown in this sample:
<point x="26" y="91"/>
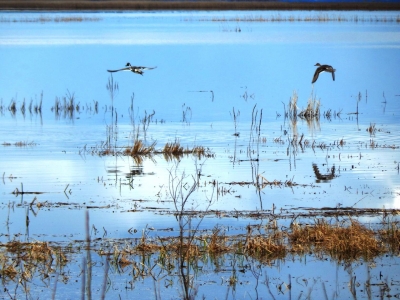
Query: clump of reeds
<point x="216" y="243"/>
<point x="341" y="242"/>
<point x="66" y="105"/>
<point x="390" y="235"/>
<point x="139" y="148"/>
<point x="12" y="107"/>
<point x="147" y="246"/>
<point x="175" y="149"/>
<point x="23" y="107"/>
<point x="185" y="247"/>
<point x="24" y="259"/>
<point x="371" y="129"/>
<point x="292" y="113"/>
<point x="312" y="110"/>
<point x="265" y="247"/>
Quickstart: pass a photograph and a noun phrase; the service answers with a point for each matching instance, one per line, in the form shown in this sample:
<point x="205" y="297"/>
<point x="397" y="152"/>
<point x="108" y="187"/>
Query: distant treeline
<point x="74" y="5"/>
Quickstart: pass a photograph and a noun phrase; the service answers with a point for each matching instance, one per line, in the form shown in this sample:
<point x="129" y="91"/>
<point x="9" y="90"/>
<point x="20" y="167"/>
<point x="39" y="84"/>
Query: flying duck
<point x="323" y="68"/>
<point x="129" y="67"/>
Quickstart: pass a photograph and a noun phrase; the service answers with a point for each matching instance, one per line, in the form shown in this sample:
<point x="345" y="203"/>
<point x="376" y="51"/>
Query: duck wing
<point x="333" y="74"/>
<point x="144" y="68"/>
<point x="316" y="74"/>
<point x="123" y="69"/>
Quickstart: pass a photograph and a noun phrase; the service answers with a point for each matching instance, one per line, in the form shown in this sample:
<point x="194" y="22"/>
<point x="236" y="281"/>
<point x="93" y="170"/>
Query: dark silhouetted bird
<point x="323" y="68"/>
<point x="129" y="67"/>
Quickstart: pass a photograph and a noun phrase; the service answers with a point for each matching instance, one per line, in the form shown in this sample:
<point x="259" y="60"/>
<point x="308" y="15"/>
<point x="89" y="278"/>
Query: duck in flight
<point x="129" y="67"/>
<point x="323" y="68"/>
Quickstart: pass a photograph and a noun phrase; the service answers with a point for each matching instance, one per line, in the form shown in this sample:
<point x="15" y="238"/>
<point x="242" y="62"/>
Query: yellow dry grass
<point x="341" y="242"/>
<point x="139" y="148"/>
<point x="347" y="240"/>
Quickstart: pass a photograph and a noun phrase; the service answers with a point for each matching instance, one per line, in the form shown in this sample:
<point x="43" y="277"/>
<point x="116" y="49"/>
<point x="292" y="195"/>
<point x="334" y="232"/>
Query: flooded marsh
<point x="222" y="173"/>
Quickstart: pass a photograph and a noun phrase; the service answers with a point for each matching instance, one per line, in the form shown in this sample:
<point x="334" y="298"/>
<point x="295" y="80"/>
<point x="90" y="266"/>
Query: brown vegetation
<point x="344" y="241"/>
<point x="25" y="259"/>
<point x="347" y="240"/>
<point x="339" y="241"/>
<point x="169" y="151"/>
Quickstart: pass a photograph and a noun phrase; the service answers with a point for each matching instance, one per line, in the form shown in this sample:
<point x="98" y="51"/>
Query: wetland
<point x="223" y="173"/>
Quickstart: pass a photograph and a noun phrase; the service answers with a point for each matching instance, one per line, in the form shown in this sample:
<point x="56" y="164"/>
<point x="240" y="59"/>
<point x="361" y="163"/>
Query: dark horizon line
<point x="118" y="5"/>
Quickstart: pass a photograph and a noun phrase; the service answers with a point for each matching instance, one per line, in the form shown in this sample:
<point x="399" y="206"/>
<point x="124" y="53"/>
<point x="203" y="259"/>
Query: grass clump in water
<point x="170" y="150"/>
<point x="340" y="242"/>
<point x="139" y="148"/>
<point x="269" y="247"/>
<point x="390" y="235"/>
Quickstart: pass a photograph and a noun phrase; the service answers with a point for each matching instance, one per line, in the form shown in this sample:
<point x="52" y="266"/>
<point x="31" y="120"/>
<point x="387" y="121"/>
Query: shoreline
<point x="121" y="5"/>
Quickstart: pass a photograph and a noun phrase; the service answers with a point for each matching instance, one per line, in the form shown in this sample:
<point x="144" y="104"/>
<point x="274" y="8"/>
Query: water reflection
<point x="323" y="177"/>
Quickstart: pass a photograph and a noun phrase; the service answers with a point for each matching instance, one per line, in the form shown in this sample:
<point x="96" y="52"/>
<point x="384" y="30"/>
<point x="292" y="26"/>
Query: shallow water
<point x="207" y="72"/>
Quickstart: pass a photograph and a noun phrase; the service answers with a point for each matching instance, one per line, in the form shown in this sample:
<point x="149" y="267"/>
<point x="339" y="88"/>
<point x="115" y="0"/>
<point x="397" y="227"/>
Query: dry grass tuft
<point x="216" y="243"/>
<point x="264" y="248"/>
<point x="170" y="150"/>
<point x="139" y="148"/>
<point x="190" y="250"/>
<point x="173" y="149"/>
<point x="293" y="105"/>
<point x="391" y="236"/>
<point x="371" y="129"/>
<point x="312" y="110"/>
<point x="341" y="242"/>
<point x="26" y="259"/>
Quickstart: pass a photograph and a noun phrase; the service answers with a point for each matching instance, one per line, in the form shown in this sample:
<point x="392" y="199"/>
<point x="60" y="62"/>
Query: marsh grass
<point x="139" y="148"/>
<point x="292" y="112"/>
<point x="345" y="240"/>
<point x="170" y="150"/>
<point x="340" y="241"/>
<point x="390" y="235"/>
<point x="12" y="106"/>
<point x="312" y="110"/>
<point x="65" y="106"/>
<point x="371" y="129"/>
<point x="265" y="246"/>
<point x="175" y="149"/>
<point x="216" y="243"/>
<point x="27" y="259"/>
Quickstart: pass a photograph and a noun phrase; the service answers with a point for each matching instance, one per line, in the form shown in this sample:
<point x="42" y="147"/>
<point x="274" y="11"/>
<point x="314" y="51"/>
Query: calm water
<point x="207" y="73"/>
